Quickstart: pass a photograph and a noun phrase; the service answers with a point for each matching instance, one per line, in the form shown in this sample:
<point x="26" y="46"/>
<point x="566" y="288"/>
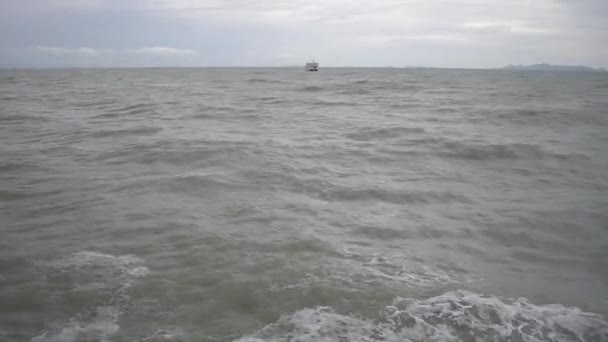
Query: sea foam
<point x="109" y="277"/>
<point x="454" y="316"/>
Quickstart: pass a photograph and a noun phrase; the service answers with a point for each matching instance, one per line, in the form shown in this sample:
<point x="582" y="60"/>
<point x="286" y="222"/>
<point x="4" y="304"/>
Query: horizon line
<point x="505" y="67"/>
<point x="241" y="67"/>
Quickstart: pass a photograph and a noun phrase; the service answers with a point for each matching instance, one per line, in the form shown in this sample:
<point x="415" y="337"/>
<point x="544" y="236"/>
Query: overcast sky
<point x="449" y="33"/>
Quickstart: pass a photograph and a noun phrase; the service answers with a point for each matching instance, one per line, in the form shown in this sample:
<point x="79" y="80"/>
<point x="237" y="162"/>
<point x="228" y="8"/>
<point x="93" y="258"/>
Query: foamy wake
<point x="453" y="316"/>
<point x="168" y="333"/>
<point x="109" y="277"/>
<point x="415" y="274"/>
<point x="391" y="271"/>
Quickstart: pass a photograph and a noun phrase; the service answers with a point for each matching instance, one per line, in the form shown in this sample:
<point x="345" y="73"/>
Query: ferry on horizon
<point x="312" y="66"/>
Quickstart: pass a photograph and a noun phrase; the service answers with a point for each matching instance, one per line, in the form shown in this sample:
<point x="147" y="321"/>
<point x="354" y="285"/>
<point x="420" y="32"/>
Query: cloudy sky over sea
<point x="456" y="33"/>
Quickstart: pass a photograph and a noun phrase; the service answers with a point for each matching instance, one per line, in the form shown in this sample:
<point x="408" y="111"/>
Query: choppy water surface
<point x="279" y="205"/>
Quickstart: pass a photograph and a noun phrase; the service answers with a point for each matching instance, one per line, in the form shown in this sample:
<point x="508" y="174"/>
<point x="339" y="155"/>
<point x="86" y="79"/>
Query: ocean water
<point x="278" y="205"/>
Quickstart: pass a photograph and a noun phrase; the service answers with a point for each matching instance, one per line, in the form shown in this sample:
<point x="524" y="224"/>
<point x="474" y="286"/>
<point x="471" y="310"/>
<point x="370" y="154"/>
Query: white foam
<point x="319" y="325"/>
<point x="105" y="271"/>
<point x="138" y="272"/>
<point x="394" y="272"/>
<point x="109" y="276"/>
<point x="86" y="259"/>
<point x="453" y="316"/>
<point x="404" y="272"/>
<point x="99" y="328"/>
<point x="168" y="333"/>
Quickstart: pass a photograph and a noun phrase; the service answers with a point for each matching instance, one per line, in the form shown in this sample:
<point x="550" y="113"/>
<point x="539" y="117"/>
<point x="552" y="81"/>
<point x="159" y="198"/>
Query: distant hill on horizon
<point x="552" y="67"/>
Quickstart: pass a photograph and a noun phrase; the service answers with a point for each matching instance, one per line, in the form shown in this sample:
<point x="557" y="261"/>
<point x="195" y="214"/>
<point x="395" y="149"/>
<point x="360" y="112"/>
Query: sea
<point x="272" y="204"/>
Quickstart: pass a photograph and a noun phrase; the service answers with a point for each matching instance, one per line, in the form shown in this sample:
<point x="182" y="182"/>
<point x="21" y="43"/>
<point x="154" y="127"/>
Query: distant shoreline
<point x="552" y="67"/>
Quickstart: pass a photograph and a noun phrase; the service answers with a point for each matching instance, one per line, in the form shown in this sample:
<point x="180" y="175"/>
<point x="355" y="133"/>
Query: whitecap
<point x="100" y="327"/>
<point x="167" y="333"/>
<point x="415" y="274"/>
<point x="454" y="316"/>
<point x="105" y="275"/>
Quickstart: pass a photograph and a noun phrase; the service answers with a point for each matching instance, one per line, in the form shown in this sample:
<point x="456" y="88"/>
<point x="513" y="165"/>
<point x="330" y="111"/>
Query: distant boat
<point x="312" y="66"/>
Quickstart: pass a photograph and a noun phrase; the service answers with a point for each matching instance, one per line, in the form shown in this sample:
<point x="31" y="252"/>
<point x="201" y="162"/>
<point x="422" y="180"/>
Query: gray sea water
<point x="279" y="205"/>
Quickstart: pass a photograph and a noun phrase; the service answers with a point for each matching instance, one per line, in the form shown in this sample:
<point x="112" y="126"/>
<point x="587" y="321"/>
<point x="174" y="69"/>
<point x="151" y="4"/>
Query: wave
<point x="379" y="84"/>
<point x="311" y="89"/>
<point x="355" y="91"/>
<point x="531" y="115"/>
<point x="383" y="133"/>
<point x="459" y="150"/>
<point x="135" y="109"/>
<point x="20" y="118"/>
<point x="177" y="152"/>
<point x="272" y="99"/>
<point x="134" y="131"/>
<point x="212" y="112"/>
<point x="7" y="165"/>
<point x="445" y="148"/>
<point x="391" y="196"/>
<point x="388" y="233"/>
<point x="355" y="268"/>
<point x="167" y="333"/>
<point x="385" y="85"/>
<point x="103" y="276"/>
<point x="263" y="80"/>
<point x="334" y="103"/>
<point x="324" y="189"/>
<point x="197" y="184"/>
<point x="100" y="104"/>
<point x="99" y="327"/>
<point x="15" y="195"/>
<point x="531" y="112"/>
<point x="411" y="104"/>
<point x="454" y="316"/>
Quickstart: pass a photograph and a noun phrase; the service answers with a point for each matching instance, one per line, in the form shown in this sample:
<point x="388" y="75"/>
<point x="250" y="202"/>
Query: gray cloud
<point x="56" y="50"/>
<point x="162" y="50"/>
<point x="459" y="33"/>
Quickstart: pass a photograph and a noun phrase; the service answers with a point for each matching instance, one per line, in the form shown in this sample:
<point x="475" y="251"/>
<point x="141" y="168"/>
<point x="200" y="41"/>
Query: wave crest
<point x="104" y="277"/>
<point x="502" y="151"/>
<point x="312" y="89"/>
<point x="453" y="316"/>
<point x="383" y="133"/>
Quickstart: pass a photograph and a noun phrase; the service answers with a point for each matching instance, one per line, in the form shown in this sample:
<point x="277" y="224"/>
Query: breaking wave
<point x="104" y="277"/>
<point x="454" y="316"/>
